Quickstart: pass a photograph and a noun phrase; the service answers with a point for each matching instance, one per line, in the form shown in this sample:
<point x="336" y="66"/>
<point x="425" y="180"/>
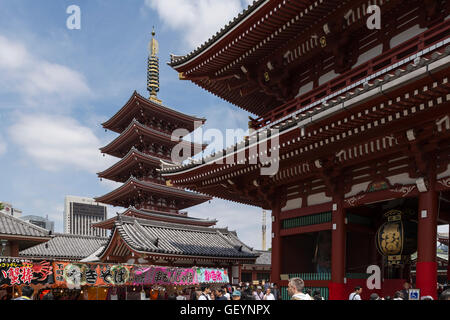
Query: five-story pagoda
<point x="145" y="141"/>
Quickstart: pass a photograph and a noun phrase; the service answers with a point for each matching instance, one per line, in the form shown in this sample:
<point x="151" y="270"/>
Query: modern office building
<point x="40" y="222"/>
<point x="79" y="215"/>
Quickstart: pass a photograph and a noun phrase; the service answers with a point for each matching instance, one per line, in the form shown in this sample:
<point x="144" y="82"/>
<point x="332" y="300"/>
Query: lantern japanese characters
<point x="396" y="238"/>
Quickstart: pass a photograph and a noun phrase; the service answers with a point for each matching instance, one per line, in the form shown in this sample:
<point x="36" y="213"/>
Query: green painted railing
<point x="284" y="294"/>
<point x="311" y="276"/>
<point x="307" y="220"/>
<point x="357" y="275"/>
<point x="325" y="276"/>
<point x="315" y="277"/>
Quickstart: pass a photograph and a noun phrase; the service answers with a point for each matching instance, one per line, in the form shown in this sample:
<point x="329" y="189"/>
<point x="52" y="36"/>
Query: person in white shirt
<point x="269" y="295"/>
<point x="258" y="294"/>
<point x="181" y="296"/>
<point x="205" y="294"/>
<point x="355" y="295"/>
<point x="398" y="296"/>
<point x="295" y="289"/>
<point x="227" y="294"/>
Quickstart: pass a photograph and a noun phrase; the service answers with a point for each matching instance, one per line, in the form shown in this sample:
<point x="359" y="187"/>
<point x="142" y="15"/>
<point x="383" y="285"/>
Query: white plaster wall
<point x="444" y="174"/>
<point x="366" y="56"/>
<point x="318" y="198"/>
<point x="357" y="188"/>
<point x="401" y="179"/>
<point x="305" y="88"/>
<point x="406" y="35"/>
<point x="327" y="77"/>
<point x="292" y="204"/>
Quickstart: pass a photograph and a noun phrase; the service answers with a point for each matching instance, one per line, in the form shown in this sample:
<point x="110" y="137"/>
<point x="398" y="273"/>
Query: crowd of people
<point x="402" y="294"/>
<point x="243" y="291"/>
<point x="297" y="291"/>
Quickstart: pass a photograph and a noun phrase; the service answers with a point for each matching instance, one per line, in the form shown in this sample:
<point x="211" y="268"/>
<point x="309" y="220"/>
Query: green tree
<point x="1" y="206"/>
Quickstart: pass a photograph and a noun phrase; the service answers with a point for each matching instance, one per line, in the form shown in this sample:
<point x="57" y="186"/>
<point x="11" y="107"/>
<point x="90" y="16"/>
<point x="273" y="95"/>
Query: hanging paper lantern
<point x="397" y="237"/>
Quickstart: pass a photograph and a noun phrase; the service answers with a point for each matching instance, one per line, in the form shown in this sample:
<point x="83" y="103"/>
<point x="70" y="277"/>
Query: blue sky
<point x="58" y="85"/>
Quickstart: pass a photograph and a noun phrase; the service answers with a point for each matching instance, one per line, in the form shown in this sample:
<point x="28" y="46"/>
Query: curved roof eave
<point x="220" y="35"/>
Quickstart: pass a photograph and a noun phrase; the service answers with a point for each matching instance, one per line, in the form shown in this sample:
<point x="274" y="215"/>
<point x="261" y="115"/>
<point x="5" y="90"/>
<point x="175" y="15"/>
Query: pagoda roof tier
<point x="157" y="216"/>
<point x="140" y="107"/>
<point x="262" y="58"/>
<point x="174" y="240"/>
<point x="360" y="124"/>
<point x="128" y="165"/>
<point x="120" y="146"/>
<point x="134" y="188"/>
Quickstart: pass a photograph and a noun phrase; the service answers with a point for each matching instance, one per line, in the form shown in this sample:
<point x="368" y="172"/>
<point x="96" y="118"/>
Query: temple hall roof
<point x="27" y="234"/>
<point x="163" y="238"/>
<point x="65" y="246"/>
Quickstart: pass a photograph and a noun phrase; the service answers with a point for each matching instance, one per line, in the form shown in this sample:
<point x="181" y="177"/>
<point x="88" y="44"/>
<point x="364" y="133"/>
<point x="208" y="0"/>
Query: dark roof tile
<point x="10" y="225"/>
<point x="179" y="239"/>
<point x="66" y="246"/>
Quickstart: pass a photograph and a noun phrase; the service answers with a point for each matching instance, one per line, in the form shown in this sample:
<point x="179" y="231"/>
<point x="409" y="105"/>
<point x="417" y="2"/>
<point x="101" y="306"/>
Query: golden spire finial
<point x="153" y="68"/>
<point x="153" y="46"/>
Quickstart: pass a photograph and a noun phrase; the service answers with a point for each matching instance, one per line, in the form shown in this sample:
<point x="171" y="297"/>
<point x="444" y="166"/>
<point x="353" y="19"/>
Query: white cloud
<point x="13" y="55"/>
<point x="198" y="20"/>
<point x="2" y="145"/>
<point x="57" y="142"/>
<point x="109" y="185"/>
<point x="39" y="83"/>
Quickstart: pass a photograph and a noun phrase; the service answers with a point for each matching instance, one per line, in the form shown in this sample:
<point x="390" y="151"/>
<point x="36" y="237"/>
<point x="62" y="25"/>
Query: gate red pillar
<point x="426" y="268"/>
<point x="338" y="251"/>
<point x="276" y="241"/>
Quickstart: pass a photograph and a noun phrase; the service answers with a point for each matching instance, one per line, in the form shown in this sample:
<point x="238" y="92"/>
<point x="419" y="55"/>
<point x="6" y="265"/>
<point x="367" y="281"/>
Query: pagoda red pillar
<point x="276" y="242"/>
<point x="338" y="251"/>
<point x="426" y="268"/>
